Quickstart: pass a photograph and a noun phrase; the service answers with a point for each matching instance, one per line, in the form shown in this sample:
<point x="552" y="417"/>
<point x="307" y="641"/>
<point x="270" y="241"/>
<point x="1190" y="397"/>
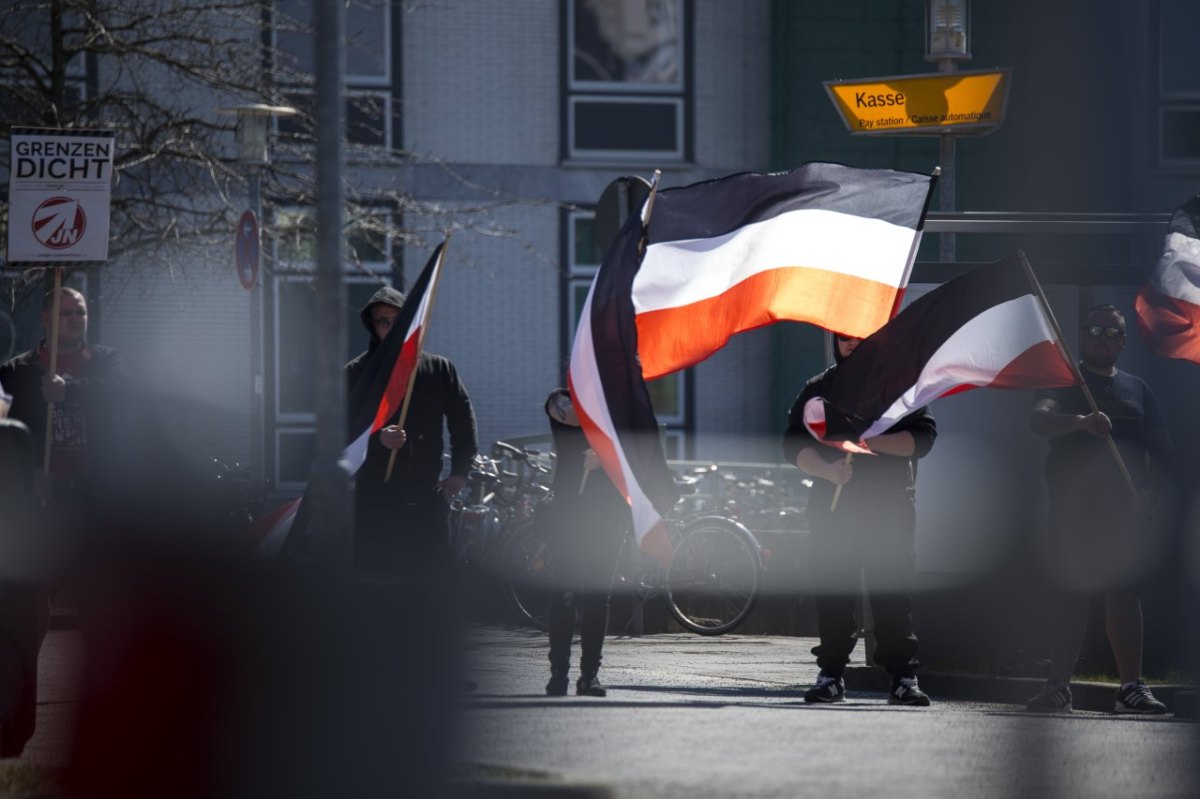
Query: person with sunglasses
<point x="869" y="535"/>
<point x="1101" y="537"/>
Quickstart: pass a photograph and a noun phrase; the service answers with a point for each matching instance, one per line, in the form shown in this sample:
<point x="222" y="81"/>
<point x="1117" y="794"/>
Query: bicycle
<point x="495" y="498"/>
<point x="709" y="587"/>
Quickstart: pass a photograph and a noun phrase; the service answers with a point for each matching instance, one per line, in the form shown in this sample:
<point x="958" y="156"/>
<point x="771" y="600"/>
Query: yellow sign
<point x="940" y="102"/>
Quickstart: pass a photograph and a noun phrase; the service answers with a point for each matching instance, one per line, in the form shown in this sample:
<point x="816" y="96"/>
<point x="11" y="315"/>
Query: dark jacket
<point x="437" y="394"/>
<point x="95" y="388"/>
<point x="880" y="481"/>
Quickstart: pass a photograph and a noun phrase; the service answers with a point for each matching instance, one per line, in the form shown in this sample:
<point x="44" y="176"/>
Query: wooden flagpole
<point x="641" y="251"/>
<point x="412" y="377"/>
<point x="1062" y="345"/>
<point x="54" y="308"/>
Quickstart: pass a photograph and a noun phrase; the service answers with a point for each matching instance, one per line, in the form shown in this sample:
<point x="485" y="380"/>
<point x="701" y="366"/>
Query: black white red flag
<point x="827" y="244"/>
<point x="611" y="398"/>
<point x="376" y="398"/>
<point x="379" y="392"/>
<point x="984" y="329"/>
<point x="1168" y="306"/>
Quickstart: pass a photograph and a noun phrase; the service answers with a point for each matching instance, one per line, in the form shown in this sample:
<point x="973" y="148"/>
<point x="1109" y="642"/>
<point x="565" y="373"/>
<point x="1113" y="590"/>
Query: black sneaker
<point x="1136" y="698"/>
<point x="827" y="689"/>
<point x="905" y="691"/>
<point x="590" y="685"/>
<point x="558" y="684"/>
<point x="1053" y="698"/>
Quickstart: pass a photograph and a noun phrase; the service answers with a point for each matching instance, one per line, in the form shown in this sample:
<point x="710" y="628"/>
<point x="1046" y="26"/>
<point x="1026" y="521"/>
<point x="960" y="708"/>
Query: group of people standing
<point x="1097" y="527"/>
<point x="862" y="513"/>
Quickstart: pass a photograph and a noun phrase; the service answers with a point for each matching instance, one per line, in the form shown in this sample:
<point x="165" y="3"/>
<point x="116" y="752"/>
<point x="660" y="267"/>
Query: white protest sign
<point x="59" y="195"/>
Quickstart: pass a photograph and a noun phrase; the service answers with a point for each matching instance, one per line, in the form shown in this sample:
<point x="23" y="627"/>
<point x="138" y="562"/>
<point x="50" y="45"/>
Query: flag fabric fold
<point x="611" y="398"/>
<point x="983" y="329"/>
<point x="827" y="244"/>
<point x="1168" y="305"/>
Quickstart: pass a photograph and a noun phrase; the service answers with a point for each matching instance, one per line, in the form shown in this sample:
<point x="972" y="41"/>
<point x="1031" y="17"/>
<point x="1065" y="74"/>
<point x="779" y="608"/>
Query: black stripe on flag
<point x="889" y="362"/>
<point x="614" y="336"/>
<point x="717" y="207"/>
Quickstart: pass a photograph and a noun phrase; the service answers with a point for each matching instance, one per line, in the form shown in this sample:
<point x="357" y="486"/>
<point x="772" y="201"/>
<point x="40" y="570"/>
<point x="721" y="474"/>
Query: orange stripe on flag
<point x="671" y="339"/>
<point x="1171" y="326"/>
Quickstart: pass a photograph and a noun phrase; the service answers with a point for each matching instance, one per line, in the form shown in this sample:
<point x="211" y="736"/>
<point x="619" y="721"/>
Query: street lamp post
<point x="253" y="128"/>
<point x="947" y="42"/>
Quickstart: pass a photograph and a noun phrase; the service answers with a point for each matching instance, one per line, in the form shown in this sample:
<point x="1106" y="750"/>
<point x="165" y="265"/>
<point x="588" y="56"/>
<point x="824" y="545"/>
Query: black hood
<point x="386" y="295"/>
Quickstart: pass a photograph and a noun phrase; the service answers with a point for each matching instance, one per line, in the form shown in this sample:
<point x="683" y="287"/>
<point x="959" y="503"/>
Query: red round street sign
<point x="246" y="250"/>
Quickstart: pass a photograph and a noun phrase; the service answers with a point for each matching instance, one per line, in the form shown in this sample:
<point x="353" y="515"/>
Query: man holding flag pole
<point x="992" y="328"/>
<point x="400" y="397"/>
<point x="1101" y="533"/>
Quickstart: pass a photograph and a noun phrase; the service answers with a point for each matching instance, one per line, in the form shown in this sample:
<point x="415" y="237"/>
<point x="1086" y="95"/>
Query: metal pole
<point x="946" y="157"/>
<point x="329" y="487"/>
<point x="254" y="182"/>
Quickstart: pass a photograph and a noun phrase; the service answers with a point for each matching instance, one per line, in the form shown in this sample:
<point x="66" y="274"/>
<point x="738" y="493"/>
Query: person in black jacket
<point x="584" y="523"/>
<point x="871" y="533"/>
<point x="408" y="516"/>
<point x="1103" y="539"/>
<point x="82" y="391"/>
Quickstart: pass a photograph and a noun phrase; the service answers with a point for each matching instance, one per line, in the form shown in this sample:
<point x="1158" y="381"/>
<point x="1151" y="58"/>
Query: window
<point x="369" y="265"/>
<point x="1178" y="84"/>
<point x="627" y="80"/>
<point x="368" y="246"/>
<point x="371" y="106"/>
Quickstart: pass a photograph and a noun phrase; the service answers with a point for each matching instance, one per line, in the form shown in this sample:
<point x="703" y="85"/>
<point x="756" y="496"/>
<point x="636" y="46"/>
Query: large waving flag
<point x="827" y="244"/>
<point x="611" y="398"/>
<point x="1168" y="306"/>
<point x="377" y="396"/>
<point x="984" y="329"/>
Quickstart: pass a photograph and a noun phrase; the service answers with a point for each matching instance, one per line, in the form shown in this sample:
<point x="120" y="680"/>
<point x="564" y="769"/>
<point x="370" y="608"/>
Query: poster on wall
<point x="59" y="195"/>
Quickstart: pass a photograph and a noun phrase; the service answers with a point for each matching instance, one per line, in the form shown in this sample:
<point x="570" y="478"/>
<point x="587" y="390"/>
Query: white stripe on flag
<point x="678" y="273"/>
<point x="589" y="392"/>
<point x="974" y="355"/>
<point x="1177" y="273"/>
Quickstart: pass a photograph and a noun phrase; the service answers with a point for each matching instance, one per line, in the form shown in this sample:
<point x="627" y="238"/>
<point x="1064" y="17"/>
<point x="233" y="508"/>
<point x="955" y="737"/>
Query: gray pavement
<point x="688" y="716"/>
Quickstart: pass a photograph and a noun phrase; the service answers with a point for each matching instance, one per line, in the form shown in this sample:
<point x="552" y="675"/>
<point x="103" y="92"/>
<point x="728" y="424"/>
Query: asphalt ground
<point x="692" y="716"/>
<point x="688" y="716"/>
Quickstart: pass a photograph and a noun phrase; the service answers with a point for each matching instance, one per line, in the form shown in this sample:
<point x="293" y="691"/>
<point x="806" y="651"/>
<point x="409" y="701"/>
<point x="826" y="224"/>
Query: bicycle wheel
<point x="527" y="574"/>
<point x="712" y="581"/>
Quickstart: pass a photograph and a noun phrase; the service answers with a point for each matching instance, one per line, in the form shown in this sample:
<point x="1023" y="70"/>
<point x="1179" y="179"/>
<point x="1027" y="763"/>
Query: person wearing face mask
<point x="867" y="534"/>
<point x="1100" y="530"/>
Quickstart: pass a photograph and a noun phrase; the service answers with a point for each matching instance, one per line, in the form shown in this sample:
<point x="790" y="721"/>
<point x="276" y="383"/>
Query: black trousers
<point x="401" y="536"/>
<point x="593" y="613"/>
<point x="876" y="548"/>
<point x="583" y="557"/>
